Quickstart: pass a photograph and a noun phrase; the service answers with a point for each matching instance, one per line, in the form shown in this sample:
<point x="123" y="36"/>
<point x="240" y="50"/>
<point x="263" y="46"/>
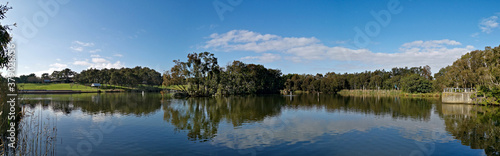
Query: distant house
<point x="46" y="81"/>
<point x="95" y="85"/>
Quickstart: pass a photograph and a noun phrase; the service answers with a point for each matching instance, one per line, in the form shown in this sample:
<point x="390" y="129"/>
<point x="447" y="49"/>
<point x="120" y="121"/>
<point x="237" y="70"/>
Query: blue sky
<point x="294" y="36"/>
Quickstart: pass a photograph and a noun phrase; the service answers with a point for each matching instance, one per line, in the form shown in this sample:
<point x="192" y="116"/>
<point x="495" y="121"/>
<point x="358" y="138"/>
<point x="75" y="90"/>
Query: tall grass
<point x="360" y="92"/>
<point x="36" y="135"/>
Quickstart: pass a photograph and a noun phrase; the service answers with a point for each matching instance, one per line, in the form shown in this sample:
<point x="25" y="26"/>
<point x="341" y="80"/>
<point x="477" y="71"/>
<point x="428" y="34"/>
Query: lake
<point x="305" y="124"/>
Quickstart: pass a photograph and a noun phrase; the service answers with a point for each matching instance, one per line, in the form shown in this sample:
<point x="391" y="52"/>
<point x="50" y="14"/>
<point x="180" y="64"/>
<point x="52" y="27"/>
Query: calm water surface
<point x="136" y="124"/>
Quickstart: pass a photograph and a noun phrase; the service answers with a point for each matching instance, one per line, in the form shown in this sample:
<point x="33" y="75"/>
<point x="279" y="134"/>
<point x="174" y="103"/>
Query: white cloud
<point x="290" y="130"/>
<point x="435" y="53"/>
<point x="245" y="40"/>
<point x="488" y="24"/>
<point x="95" y="51"/>
<point x="81" y="63"/>
<point x="431" y="44"/>
<point x="58" y="66"/>
<point x="75" y="48"/>
<point x="52" y="68"/>
<point x="79" y="46"/>
<point x="90" y="44"/>
<point x="108" y="65"/>
<point x="96" y="61"/>
<point x="99" y="60"/>
<point x="99" y="63"/>
<point x="264" y="58"/>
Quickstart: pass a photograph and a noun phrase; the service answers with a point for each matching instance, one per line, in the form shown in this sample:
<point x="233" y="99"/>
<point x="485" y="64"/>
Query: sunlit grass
<point x="79" y="87"/>
<point x="52" y="86"/>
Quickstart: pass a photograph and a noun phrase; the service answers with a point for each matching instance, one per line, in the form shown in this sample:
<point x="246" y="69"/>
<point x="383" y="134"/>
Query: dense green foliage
<point x="413" y="80"/>
<point x="241" y="78"/>
<point x="416" y="84"/>
<point x="201" y="75"/>
<point x="477" y="69"/>
<point x="65" y="75"/>
<point x="31" y="78"/>
<point x="131" y="77"/>
<point x="5" y="37"/>
<point x="478" y="128"/>
<point x="491" y="95"/>
<point x="474" y="69"/>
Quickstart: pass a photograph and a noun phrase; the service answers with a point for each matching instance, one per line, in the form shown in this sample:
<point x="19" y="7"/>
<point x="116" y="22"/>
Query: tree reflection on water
<point x="201" y="118"/>
<point x="475" y="126"/>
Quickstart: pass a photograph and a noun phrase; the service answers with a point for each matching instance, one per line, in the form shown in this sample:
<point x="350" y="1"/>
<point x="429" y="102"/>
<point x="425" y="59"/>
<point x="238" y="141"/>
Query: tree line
<point x="201" y="75"/>
<point x="130" y="77"/>
<point x="478" y="69"/>
<point x="65" y="76"/>
<point x="414" y="79"/>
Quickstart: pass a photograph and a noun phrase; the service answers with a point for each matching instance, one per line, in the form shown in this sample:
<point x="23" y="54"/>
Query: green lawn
<point x="68" y="86"/>
<point x="59" y="86"/>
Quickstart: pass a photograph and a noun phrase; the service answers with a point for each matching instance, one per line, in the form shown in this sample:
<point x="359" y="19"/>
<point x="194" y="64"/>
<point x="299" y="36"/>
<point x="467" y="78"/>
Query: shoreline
<point x="359" y="92"/>
<point x="64" y="91"/>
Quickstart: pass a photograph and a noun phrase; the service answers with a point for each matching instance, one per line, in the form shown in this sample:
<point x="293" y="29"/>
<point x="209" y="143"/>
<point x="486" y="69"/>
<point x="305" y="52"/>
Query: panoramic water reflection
<point x="267" y="124"/>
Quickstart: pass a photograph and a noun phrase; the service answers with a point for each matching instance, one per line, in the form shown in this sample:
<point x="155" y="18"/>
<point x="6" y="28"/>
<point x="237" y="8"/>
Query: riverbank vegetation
<point x="477" y="69"/>
<point x="138" y="78"/>
<point x="130" y="77"/>
<point x="393" y="92"/>
<point x="201" y="75"/>
<point x="411" y="80"/>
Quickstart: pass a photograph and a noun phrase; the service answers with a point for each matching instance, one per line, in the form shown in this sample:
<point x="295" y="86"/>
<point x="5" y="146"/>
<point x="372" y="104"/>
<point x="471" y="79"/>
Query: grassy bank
<point x="85" y="88"/>
<point x="59" y="86"/>
<point x="359" y="92"/>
